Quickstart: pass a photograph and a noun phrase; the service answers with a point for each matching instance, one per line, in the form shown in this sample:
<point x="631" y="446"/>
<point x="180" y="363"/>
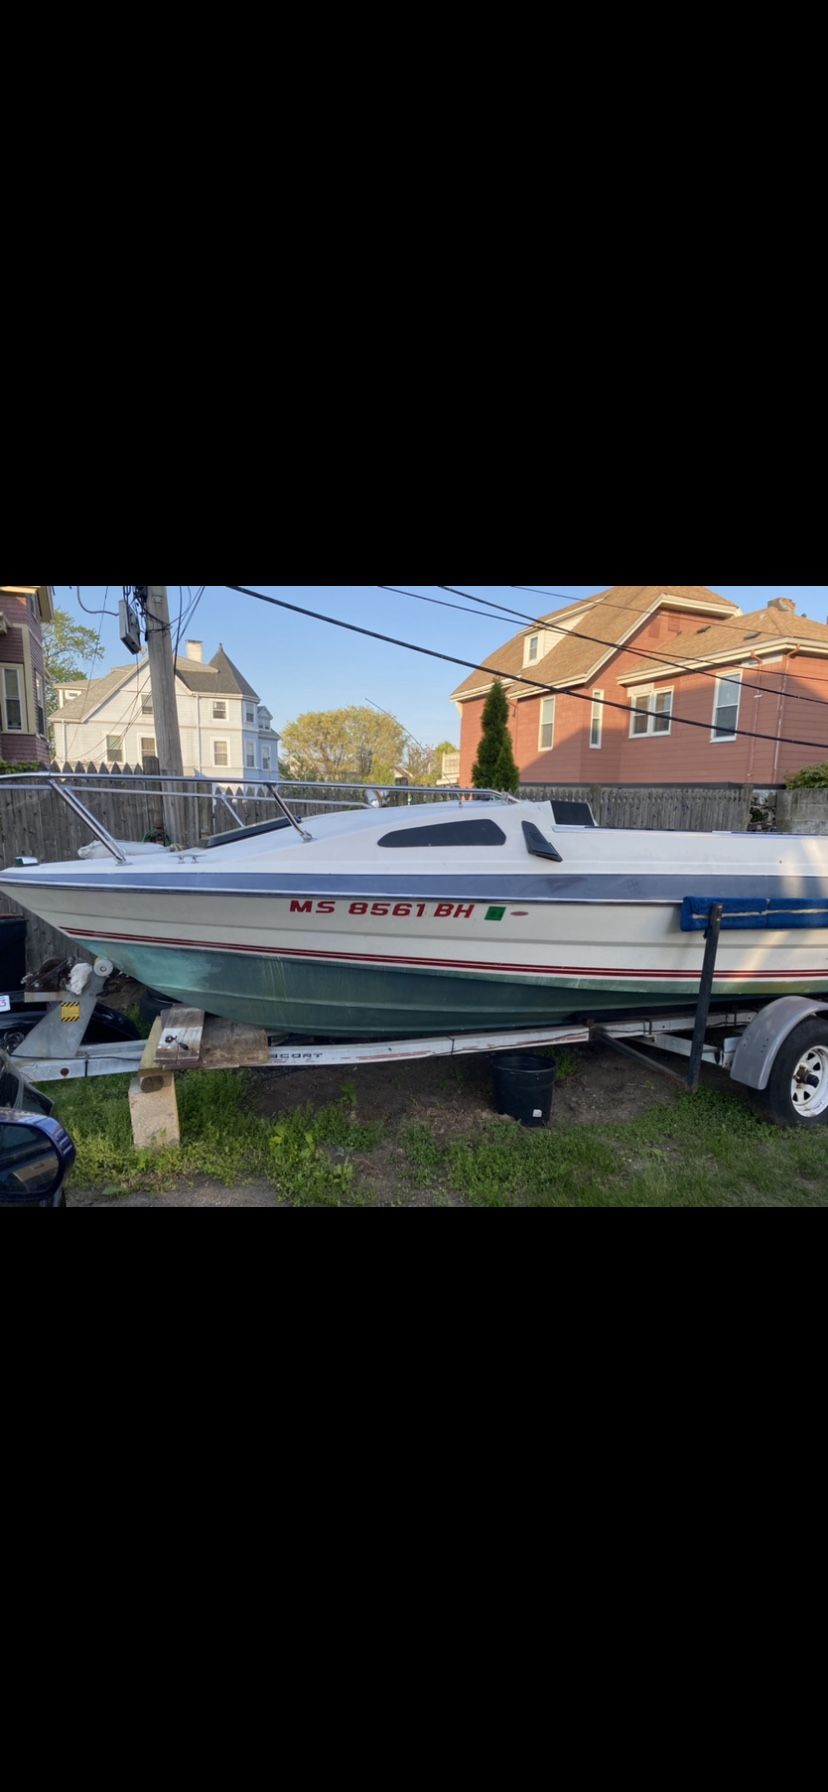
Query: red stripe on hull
<point x="456" y="964"/>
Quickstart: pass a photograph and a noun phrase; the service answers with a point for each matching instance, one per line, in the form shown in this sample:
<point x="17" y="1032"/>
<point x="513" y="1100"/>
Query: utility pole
<point x="153" y="600"/>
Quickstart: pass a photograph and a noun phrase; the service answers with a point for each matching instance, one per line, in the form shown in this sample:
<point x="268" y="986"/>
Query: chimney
<point x="195" y="650"/>
<point x="782" y="603"/>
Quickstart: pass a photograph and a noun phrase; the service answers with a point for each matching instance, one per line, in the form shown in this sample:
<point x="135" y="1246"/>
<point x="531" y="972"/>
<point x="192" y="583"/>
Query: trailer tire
<point x="797" y="1091"/>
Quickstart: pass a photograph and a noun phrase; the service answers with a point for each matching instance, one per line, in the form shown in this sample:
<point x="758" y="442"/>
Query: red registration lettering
<point x="301" y="908"/>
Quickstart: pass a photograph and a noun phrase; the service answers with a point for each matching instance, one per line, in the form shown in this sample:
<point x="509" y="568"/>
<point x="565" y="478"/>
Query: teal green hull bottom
<point x="325" y="1000"/>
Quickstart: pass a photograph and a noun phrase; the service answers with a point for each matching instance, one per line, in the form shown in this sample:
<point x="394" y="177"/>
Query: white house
<point x="226" y="732"/>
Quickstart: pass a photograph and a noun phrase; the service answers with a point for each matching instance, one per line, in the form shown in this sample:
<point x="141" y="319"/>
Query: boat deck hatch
<point x="537" y="843"/>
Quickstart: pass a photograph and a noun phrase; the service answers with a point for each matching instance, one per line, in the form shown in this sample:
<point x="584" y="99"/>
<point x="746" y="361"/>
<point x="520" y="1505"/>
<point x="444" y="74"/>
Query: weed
<point x="304" y="1154"/>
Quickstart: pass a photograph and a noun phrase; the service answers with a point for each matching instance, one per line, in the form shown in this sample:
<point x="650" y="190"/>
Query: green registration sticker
<point x="495" y="914"/>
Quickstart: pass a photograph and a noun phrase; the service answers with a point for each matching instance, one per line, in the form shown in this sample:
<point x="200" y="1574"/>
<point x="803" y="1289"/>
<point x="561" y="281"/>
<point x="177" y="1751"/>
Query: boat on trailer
<point x="474" y="911"/>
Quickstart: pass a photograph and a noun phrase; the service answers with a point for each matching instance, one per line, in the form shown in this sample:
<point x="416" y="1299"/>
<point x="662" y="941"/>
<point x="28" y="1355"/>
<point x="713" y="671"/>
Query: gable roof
<point x="773" y="628"/>
<point x="93" y="693"/>
<point x="611" y="616"/>
<point x="218" y="679"/>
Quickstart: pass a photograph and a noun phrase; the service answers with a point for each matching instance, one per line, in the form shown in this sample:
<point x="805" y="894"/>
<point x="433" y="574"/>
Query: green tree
<point x="494" y="768"/>
<point x="344" y="746"/>
<point x="811" y="777"/>
<point x="69" y="651"/>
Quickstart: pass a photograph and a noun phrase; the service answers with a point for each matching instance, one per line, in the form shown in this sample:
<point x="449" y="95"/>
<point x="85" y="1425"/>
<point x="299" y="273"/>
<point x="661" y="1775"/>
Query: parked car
<point x="36" y="1155"/>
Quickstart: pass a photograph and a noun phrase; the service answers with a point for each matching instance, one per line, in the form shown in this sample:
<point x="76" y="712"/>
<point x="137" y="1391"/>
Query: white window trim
<point x="532" y="658"/>
<point x="648" y="697"/>
<point x="221" y="764"/>
<point x="20" y="699"/>
<point x="220" y="703"/>
<point x="119" y="748"/>
<point x="597" y="699"/>
<point x="542" y="724"/>
<point x="729" y="679"/>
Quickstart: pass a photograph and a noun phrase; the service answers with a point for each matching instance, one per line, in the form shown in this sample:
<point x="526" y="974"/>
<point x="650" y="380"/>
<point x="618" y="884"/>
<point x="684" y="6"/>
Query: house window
<point x="146" y="705"/>
<point x="265" y="759"/>
<point x="546" y="732"/>
<point x="221" y="755"/>
<point x="251" y="717"/>
<point x="250" y="756"/>
<point x="219" y="712"/>
<point x="39" y="704"/>
<point x="14" y="700"/>
<point x="596" y="719"/>
<point x="148" y="746"/>
<point x="115" y="748"/>
<point x="532" y="648"/>
<point x="726" y="707"/>
<point x="651" y="712"/>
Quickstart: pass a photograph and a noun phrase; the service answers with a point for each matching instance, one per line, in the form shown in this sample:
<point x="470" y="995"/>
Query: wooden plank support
<point x="179" y="1041"/>
<point x="153" y="1110"/>
<point x="229" y="1045"/>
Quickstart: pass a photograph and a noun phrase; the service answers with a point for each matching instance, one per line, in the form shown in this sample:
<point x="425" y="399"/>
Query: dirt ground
<point x="445" y="1095"/>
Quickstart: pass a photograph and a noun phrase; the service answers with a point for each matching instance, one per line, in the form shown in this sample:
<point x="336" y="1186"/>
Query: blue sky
<point x="297" y="665"/>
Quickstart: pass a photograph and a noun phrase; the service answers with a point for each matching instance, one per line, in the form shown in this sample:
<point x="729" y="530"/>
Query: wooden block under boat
<point x="178" y="1046"/>
<point x="228" y="1044"/>
<point x="210" y="1043"/>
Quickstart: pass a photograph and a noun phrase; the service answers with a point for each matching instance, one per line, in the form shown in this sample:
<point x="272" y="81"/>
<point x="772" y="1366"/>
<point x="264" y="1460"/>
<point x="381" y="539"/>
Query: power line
<point x="93" y="654"/>
<point x="89" y="612"/>
<point x="674" y="660"/>
<point x="123" y="724"/>
<point x="672" y="664"/>
<point x="506" y="614"/>
<point x="451" y="659"/>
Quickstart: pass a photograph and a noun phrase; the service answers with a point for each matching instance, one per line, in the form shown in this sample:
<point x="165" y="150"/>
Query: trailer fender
<point x="754" y="1056"/>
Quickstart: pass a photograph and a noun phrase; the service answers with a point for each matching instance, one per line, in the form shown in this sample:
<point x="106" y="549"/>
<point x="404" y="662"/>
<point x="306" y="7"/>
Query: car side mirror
<point x="36" y="1155"/>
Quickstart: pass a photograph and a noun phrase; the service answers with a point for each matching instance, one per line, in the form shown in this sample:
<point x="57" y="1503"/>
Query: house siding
<point x="15" y="608"/>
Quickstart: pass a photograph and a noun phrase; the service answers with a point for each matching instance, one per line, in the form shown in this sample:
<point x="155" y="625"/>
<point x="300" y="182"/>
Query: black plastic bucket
<point x="523" y="1087"/>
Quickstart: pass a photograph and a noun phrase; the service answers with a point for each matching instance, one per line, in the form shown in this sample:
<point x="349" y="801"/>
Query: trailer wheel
<point x="797" y="1091"/>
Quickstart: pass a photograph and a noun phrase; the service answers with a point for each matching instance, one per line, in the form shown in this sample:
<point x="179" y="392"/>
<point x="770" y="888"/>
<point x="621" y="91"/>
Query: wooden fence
<point x="696" y="808"/>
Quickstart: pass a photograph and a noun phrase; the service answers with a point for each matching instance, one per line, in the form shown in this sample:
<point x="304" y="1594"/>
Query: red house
<point x="629" y="669"/>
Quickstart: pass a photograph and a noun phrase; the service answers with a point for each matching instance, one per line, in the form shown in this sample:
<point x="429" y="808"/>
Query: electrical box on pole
<point x="130" y="626"/>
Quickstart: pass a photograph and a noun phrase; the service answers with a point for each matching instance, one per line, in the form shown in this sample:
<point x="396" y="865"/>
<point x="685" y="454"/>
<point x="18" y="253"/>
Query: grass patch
<point x="708" y="1150"/>
<point x="305" y="1155"/>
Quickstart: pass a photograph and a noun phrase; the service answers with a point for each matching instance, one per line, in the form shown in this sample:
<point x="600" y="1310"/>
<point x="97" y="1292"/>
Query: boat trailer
<point x="779" y="1049"/>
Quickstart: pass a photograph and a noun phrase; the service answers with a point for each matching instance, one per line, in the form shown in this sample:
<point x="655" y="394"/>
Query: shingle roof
<point x="220" y="678"/>
<point x="609" y="616"/>
<point x="762" y="628"/>
<point x="93" y="692"/>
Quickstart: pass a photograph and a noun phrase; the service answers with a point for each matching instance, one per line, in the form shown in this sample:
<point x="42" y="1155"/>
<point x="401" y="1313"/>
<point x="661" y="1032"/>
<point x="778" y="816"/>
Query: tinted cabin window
<point x="448" y="833"/>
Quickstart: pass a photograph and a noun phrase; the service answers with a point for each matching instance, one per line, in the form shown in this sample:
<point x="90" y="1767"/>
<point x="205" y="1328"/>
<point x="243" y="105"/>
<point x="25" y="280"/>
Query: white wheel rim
<point x="809" y="1083"/>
